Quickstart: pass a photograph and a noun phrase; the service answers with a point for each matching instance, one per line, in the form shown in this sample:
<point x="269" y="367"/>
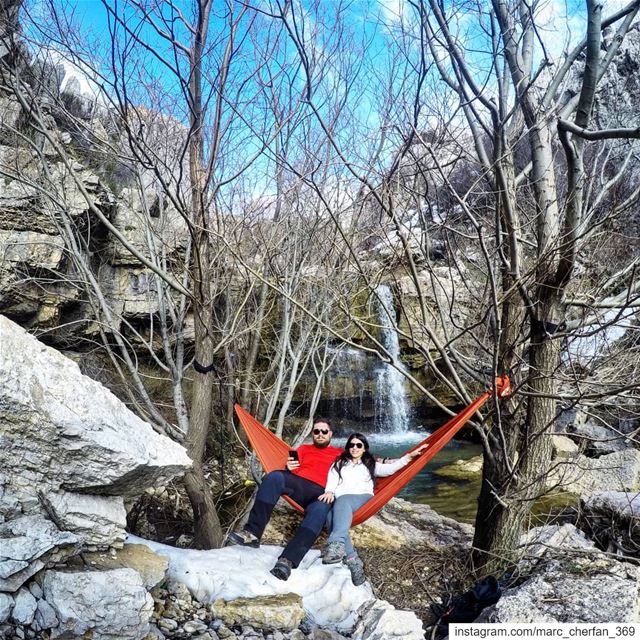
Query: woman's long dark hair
<point x="367" y="459"/>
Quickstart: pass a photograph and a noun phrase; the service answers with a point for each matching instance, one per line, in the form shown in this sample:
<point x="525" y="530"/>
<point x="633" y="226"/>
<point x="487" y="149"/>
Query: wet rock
<point x="469" y="469"/>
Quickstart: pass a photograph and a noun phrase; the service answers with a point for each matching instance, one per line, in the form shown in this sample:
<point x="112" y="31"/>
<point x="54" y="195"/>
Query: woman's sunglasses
<point x="357" y="445"/>
<point x="317" y="432"/>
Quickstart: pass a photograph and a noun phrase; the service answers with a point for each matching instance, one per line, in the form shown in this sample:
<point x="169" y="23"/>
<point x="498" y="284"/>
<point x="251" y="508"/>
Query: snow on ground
<point x="328" y="595"/>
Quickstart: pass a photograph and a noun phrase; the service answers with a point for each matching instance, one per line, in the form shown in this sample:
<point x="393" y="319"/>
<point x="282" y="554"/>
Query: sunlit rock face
<point x="64" y="431"/>
<point x="109" y="605"/>
<point x="70" y="452"/>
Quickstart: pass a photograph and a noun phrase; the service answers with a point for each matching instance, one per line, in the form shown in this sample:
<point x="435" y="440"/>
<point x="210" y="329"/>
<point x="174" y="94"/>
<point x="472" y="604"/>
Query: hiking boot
<point x="333" y="552"/>
<point x="356" y="568"/>
<point x="282" y="569"/>
<point x="244" y="538"/>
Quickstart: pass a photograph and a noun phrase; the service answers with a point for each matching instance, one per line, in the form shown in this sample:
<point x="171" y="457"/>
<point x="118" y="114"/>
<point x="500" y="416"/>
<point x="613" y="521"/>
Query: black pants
<point x="305" y="493"/>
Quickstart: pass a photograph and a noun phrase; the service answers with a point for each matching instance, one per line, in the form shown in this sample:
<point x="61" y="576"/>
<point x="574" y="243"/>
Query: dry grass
<point x="417" y="577"/>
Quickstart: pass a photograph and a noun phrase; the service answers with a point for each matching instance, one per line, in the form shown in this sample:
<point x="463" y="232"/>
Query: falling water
<point x="391" y="406"/>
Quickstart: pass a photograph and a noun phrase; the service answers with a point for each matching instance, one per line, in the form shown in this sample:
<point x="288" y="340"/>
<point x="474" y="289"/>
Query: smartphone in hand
<point x="293" y="454"/>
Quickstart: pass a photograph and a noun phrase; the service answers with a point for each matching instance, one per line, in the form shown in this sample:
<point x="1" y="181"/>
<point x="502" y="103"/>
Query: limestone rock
<point x="548" y="540"/>
<point x="133" y="291"/>
<point x="63" y="429"/>
<point x="618" y="471"/>
<point x="25" y="607"/>
<point x="32" y="249"/>
<point x="6" y="605"/>
<point x="136" y="215"/>
<point x="380" y="621"/>
<point x="590" y="593"/>
<point x="151" y="566"/>
<point x="27" y="544"/>
<point x="105" y="605"/>
<point x="45" y="616"/>
<point x="613" y="519"/>
<point x="596" y="439"/>
<point x="620" y="504"/>
<point x="97" y="520"/>
<point x="402" y="522"/>
<point x="283" y="611"/>
<point x="469" y="469"/>
<point x="564" y="447"/>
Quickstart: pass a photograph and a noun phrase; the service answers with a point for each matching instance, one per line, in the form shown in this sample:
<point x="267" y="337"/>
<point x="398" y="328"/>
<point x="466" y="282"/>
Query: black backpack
<point x="467" y="607"/>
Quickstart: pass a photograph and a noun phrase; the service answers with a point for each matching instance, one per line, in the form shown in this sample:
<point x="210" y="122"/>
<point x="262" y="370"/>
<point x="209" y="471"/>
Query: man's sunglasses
<point x="357" y="445"/>
<point x="317" y="432"/>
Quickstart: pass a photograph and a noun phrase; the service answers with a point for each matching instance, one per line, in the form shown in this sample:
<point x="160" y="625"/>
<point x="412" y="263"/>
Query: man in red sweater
<point x="303" y="480"/>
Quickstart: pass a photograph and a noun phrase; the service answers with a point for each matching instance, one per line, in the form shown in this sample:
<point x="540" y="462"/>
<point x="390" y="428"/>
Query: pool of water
<point x="453" y="498"/>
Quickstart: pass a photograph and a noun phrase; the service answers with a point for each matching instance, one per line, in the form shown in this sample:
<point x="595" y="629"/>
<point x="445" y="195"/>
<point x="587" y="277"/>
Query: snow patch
<point x="329" y="597"/>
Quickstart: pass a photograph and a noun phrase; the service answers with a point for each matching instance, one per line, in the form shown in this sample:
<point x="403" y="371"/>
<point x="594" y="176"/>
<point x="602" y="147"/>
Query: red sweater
<point x="315" y="462"/>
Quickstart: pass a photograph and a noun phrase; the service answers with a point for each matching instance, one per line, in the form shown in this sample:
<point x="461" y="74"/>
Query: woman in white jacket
<point x="349" y="485"/>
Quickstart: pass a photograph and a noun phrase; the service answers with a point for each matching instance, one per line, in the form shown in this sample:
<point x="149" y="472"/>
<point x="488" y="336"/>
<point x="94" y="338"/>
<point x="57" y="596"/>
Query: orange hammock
<point x="273" y="452"/>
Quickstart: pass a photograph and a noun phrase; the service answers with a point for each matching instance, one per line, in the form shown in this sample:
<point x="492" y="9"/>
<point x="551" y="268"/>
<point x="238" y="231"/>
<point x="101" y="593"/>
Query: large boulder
<point x="596" y="439"/>
<point x="70" y="452"/>
<point x="104" y="605"/>
<point x="569" y="581"/>
<point x="578" y="474"/>
<point x="402" y="522"/>
<point x="63" y="431"/>
<point x="578" y="593"/>
<point x="151" y="566"/>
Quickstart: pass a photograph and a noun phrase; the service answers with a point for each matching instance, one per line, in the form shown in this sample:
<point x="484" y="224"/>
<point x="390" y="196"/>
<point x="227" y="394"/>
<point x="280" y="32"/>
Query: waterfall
<point x="391" y="406"/>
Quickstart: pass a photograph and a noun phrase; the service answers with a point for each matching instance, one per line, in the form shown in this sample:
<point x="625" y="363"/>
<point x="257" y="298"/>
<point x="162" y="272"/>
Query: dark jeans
<point x="305" y="493"/>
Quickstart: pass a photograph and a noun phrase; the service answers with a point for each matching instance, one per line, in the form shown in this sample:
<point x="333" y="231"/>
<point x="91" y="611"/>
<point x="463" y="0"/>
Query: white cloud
<point x="393" y="10"/>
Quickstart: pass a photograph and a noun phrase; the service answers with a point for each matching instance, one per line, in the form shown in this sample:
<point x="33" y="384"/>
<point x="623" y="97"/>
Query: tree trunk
<point x="514" y="474"/>
<point x="207" y="529"/>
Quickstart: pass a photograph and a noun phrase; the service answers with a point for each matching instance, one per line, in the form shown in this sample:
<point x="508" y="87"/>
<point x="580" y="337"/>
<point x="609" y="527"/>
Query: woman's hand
<point x="418" y="452"/>
<point x="327" y="497"/>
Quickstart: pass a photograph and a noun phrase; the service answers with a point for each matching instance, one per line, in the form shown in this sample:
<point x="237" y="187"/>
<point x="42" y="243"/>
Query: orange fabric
<point x="272" y="452"/>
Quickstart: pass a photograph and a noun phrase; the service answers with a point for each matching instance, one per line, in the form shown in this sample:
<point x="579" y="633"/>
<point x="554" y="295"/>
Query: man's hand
<point x="326" y="497"/>
<point x="418" y="452"/>
<point x="292" y="464"/>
